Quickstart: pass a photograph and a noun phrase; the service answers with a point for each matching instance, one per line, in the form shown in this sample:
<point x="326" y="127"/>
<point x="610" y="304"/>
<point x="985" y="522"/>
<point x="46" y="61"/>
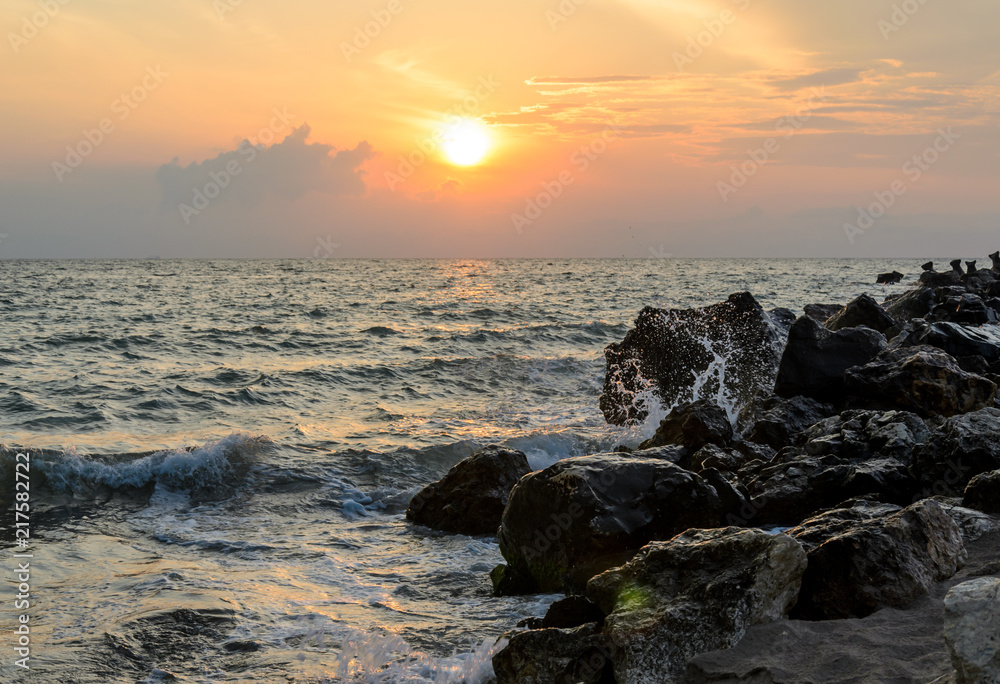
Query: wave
<point x="217" y="467"/>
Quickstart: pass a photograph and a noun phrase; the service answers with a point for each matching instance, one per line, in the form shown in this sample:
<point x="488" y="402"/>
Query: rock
<point x="554" y="656"/>
<point x="822" y="312"/>
<point x="582" y="515"/>
<point x="973" y="524"/>
<point x="983" y="493"/>
<point x="995" y="258"/>
<point x="963" y="447"/>
<point x="921" y="379"/>
<point x="776" y="421"/>
<point x="723" y="460"/>
<point x="913" y="304"/>
<point x="935" y="279"/>
<point x="693" y="426"/>
<point x="861" y="311"/>
<point x="889" y="278"/>
<point x="572" y="611"/>
<point x="668" y="351"/>
<point x="697" y="592"/>
<point x="815" y="359"/>
<point x="471" y="498"/>
<point x="786" y="492"/>
<point x="972" y="630"/>
<point x="860" y="435"/>
<point x="861" y="561"/>
<point x="966" y="308"/>
<point x="953" y="338"/>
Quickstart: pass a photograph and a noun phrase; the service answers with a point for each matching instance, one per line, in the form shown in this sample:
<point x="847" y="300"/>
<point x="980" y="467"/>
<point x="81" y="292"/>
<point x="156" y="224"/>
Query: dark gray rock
<point x="889" y="278"/>
<point x="921" y="379"/>
<point x="913" y="304"/>
<point x="963" y="447"/>
<point x="668" y="350"/>
<point x="861" y="559"/>
<point x="693" y="426"/>
<point x="821" y="312"/>
<point x="862" y="311"/>
<point x="983" y="493"/>
<point x="972" y="630"/>
<point x="697" y="592"/>
<point x="953" y="338"/>
<point x="572" y="611"/>
<point x="815" y="359"/>
<point x="777" y="421"/>
<point x="968" y="308"/>
<point x="582" y="515"/>
<point x="861" y="435"/>
<point x="555" y="656"/>
<point x="471" y="498"/>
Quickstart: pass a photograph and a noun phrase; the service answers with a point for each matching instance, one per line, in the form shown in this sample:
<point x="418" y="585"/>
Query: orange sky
<point x="617" y="127"/>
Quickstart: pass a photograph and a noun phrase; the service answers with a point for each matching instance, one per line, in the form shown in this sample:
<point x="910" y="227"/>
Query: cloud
<point x="251" y="174"/>
<point x="563" y="80"/>
<point x="826" y="77"/>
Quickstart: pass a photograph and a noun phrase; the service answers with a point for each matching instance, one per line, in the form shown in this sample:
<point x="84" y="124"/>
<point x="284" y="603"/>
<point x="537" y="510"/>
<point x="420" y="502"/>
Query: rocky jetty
<point x="868" y="434"/>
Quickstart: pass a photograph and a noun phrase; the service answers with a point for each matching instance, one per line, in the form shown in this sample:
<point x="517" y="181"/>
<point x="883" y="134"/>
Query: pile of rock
<point x="868" y="440"/>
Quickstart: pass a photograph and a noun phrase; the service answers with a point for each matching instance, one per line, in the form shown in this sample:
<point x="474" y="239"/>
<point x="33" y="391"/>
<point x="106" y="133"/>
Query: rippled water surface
<point x="222" y="451"/>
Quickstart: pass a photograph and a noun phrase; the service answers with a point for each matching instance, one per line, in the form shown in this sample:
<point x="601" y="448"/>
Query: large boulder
<point x="963" y="447"/>
<point x="815" y="359"/>
<point x="580" y="655"/>
<point x="821" y="312"/>
<point x="861" y="435"/>
<point x="471" y="497"/>
<point x="777" y="421"/>
<point x="697" y="592"/>
<point x="983" y="493"/>
<point x="693" y="426"/>
<point x="863" y="311"/>
<point x="921" y="379"/>
<point x="671" y="352"/>
<point x="913" y="304"/>
<point x="953" y="338"/>
<point x="863" y="558"/>
<point x="583" y="515"/>
<point x="972" y="630"/>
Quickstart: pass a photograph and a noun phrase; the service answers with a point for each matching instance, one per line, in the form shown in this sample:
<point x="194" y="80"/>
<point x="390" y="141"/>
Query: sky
<point x="480" y="128"/>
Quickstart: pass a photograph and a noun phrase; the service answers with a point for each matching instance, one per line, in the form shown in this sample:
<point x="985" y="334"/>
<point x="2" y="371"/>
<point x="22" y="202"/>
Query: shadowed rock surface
<point x="582" y="515"/>
<point x="862" y="558"/>
<point x="861" y="311"/>
<point x="962" y="448"/>
<point x="698" y="592"/>
<point x="693" y="426"/>
<point x="815" y="359"/>
<point x="922" y="379"/>
<point x="555" y="656"/>
<point x="471" y="497"/>
<point x="972" y="630"/>
<point x="983" y="493"/>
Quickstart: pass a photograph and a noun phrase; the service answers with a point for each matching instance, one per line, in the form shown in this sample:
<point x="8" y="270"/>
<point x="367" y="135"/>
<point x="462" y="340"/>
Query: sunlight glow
<point x="466" y="142"/>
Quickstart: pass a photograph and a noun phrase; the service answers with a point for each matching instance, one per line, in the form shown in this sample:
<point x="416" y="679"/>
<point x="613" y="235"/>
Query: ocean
<point x="222" y="451"/>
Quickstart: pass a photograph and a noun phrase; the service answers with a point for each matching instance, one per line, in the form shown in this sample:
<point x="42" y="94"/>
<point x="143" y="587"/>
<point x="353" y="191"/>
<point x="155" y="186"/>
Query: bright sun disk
<point x="466" y="142"/>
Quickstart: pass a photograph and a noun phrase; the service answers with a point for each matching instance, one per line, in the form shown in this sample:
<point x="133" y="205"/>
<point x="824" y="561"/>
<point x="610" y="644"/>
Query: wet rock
<point x="889" y="278"/>
<point x="861" y="560"/>
<point x="822" y="312"/>
<point x="935" y="279"/>
<point x="582" y="515"/>
<point x="777" y="421"/>
<point x="863" y="311"/>
<point x="693" y="426"/>
<point x="815" y="359"/>
<point x="572" y="611"/>
<point x="668" y="350"/>
<point x="471" y="497"/>
<point x="921" y="379"/>
<point x="972" y="630"/>
<point x="697" y="592"/>
<point x="983" y="493"/>
<point x="963" y="447"/>
<point x="913" y="304"/>
<point x="786" y="492"/>
<point x="555" y="656"/>
<point x="723" y="460"/>
<point x="953" y="338"/>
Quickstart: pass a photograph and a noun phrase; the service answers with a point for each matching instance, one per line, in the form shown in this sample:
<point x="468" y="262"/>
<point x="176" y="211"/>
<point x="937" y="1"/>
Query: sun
<point x="466" y="142"/>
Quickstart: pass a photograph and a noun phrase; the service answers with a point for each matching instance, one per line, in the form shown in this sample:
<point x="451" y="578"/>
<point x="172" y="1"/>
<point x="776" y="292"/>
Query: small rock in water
<point x="972" y="630"/>
<point x="891" y="278"/>
<point x="471" y="497"/>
